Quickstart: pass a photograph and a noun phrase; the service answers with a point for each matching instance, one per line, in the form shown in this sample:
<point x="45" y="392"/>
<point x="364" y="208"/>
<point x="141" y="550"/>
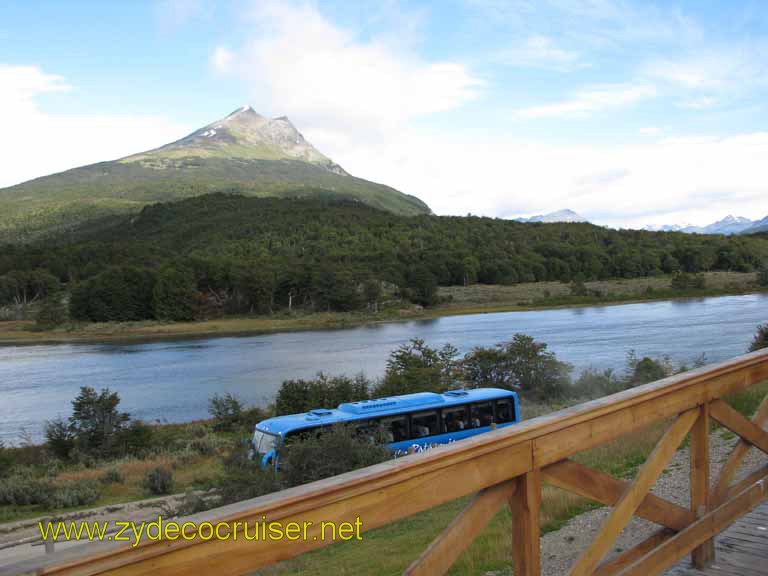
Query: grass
<point x="457" y="300"/>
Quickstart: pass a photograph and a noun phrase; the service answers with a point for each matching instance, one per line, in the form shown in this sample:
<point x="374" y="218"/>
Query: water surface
<point x="172" y="381"/>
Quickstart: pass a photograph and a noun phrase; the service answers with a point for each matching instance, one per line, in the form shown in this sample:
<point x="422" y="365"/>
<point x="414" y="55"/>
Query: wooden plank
<point x="700" y="531"/>
<point x="699" y="461"/>
<point x="629" y="557"/>
<point x="525" y="505"/>
<point x="387" y="492"/>
<point x="461" y="532"/>
<point x="635" y="493"/>
<point x="759" y="474"/>
<point x="606" y="489"/>
<point x="736" y="457"/>
<point x="736" y="423"/>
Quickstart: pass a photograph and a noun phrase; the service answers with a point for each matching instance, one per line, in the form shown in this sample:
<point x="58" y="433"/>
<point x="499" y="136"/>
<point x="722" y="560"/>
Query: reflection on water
<point x="172" y="381"/>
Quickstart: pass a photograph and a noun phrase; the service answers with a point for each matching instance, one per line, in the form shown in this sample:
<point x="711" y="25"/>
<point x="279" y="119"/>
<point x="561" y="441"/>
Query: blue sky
<point x="629" y="112"/>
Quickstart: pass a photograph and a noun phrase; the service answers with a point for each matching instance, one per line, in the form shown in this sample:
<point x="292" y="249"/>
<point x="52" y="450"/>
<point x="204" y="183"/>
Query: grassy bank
<point x="456" y="300"/>
<point x="192" y="452"/>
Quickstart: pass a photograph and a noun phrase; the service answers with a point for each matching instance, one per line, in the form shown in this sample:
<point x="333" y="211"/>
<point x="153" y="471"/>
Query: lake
<point x="172" y="381"/>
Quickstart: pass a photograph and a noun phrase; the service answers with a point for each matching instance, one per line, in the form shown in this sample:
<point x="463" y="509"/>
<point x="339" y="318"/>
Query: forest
<point x="223" y="254"/>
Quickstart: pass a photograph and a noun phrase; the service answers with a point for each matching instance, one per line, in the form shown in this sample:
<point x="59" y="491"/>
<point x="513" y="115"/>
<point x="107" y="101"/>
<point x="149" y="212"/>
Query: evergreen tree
<point x="174" y="295"/>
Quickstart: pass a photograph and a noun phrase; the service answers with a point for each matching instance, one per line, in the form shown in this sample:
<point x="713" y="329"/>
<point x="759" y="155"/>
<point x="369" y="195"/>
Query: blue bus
<point x="402" y="422"/>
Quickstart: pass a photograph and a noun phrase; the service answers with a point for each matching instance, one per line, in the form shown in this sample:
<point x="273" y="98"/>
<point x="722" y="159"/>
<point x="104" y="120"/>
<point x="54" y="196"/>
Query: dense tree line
<point x="228" y="254"/>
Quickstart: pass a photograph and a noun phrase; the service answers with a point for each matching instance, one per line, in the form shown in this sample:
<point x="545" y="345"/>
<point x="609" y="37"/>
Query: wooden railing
<point x="502" y="468"/>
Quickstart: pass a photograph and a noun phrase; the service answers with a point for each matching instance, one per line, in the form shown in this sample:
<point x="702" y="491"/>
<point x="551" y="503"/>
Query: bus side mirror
<point x="269" y="456"/>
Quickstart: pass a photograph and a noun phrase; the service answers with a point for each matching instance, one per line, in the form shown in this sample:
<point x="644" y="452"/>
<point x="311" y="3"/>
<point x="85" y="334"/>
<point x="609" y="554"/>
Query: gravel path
<point x="561" y="548"/>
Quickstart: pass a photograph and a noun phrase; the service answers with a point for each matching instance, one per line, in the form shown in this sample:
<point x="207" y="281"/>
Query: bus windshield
<point x="263" y="442"/>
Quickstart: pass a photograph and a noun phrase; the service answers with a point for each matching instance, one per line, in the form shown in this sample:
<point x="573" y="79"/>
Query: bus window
<point x="424" y="424"/>
<point x="505" y="410"/>
<point x="369" y="429"/>
<point x="482" y="414"/>
<point x="454" y="418"/>
<point x="394" y="428"/>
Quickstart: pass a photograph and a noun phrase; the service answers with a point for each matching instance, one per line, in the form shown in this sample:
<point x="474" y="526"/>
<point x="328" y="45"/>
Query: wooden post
<point x="525" y="504"/>
<point x="700" y="494"/>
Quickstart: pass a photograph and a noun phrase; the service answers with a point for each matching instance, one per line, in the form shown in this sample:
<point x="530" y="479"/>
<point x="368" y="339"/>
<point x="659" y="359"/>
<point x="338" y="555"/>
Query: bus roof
<point x="377" y="407"/>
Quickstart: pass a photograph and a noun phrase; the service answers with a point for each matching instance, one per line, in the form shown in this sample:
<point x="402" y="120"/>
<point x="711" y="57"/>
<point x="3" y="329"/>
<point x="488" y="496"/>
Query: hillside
<point x="243" y="152"/>
<point x="234" y="254"/>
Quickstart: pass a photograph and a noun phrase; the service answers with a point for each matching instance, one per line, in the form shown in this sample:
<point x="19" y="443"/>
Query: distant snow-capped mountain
<point x="757" y="226"/>
<point x="667" y="227"/>
<point x="727" y="226"/>
<point x="559" y="216"/>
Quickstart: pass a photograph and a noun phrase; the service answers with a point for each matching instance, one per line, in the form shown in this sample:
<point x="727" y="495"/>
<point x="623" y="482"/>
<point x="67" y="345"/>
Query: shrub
<point x="252" y="416"/>
<point x="96" y="423"/>
<point x="59" y="439"/>
<point x="159" y="481"/>
<point x="416" y="367"/>
<point x="761" y="339"/>
<point x="70" y="494"/>
<point x="7" y="461"/>
<point x="595" y="383"/>
<point x="578" y="288"/>
<point x="244" y="478"/>
<point x="203" y="446"/>
<point x="334" y="451"/>
<point x="685" y="281"/>
<point x="24" y="490"/>
<point x="520" y="364"/>
<point x="52" y="313"/>
<point x="112" y="476"/>
<point x="226" y="411"/>
<point x="136" y="439"/>
<point x="297" y="396"/>
<point x="645" y="370"/>
<point x="762" y="275"/>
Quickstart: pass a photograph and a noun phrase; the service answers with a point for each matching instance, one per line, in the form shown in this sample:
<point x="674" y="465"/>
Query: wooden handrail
<point x="522" y="454"/>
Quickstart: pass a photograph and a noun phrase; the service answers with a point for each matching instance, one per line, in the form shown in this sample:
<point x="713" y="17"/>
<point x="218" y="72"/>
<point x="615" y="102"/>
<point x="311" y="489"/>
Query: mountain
<point x="243" y="152"/>
<point x="667" y="227"/>
<point x="559" y="216"/>
<point x="757" y="226"/>
<point x="727" y="226"/>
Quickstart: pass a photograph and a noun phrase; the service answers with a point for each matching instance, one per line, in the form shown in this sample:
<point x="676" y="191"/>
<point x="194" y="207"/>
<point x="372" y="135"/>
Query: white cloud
<point x="325" y="78"/>
<point x="223" y="59"/>
<point x="702" y="103"/>
<point x="592" y="100"/>
<point x="667" y="180"/>
<point x="541" y="52"/>
<point x="36" y="143"/>
<point x="173" y="14"/>
<point x="650" y="130"/>
<point x="22" y="83"/>
<point x="735" y="68"/>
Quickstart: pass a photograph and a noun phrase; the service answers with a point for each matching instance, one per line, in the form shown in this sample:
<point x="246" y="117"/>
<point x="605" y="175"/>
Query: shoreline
<point x="322" y="321"/>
